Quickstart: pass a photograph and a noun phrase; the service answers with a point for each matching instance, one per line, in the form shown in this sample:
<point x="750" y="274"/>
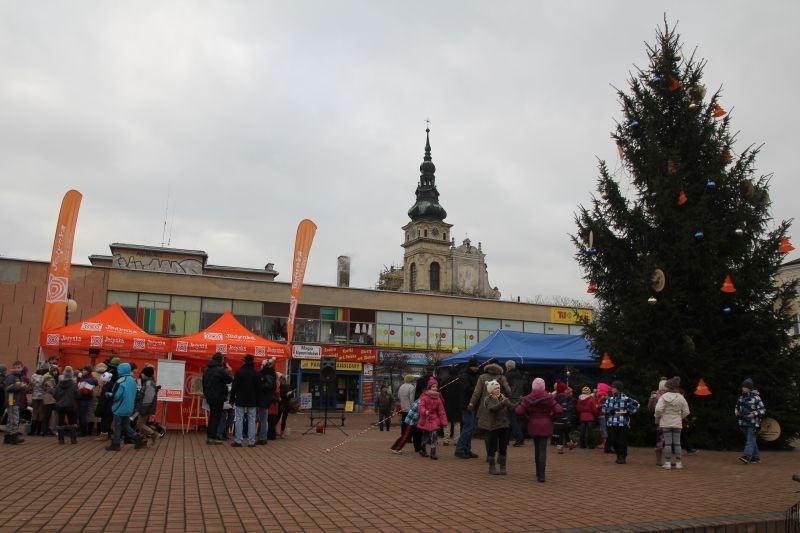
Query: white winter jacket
<point x="671" y="409"/>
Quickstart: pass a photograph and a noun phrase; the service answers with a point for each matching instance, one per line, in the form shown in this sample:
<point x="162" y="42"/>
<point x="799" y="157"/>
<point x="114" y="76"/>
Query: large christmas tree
<point x="682" y="254"/>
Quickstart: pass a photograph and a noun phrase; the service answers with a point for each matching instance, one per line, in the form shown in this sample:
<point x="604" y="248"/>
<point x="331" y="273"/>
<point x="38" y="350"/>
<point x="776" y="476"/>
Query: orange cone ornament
<point x="726" y="155"/>
<point x="592" y="288"/>
<point x="682" y="199"/>
<point x="702" y="389"/>
<point x="727" y="285"/>
<point x="674" y="85"/>
<point x="606" y="363"/>
<point x="718" y="111"/>
<point x="785" y="246"/>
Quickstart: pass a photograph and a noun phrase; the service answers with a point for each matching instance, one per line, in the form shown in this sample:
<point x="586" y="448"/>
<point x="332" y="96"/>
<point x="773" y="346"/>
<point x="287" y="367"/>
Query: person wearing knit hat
<point x="670" y="412"/>
<point x="477" y="401"/>
<point x="147" y="407"/>
<point x="115" y="362"/>
<point x="66" y="394"/>
<point x="651" y="406"/>
<point x="618" y="409"/>
<point x="564" y="424"/>
<point x="86" y="385"/>
<point x="496" y="426"/>
<point x="540" y="408"/>
<point x="750" y="410"/>
<point x="587" y="414"/>
<point x="432" y="416"/>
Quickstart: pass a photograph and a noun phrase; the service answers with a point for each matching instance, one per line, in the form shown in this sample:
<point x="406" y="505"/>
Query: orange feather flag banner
<point x="55" y="304"/>
<point x="302" y="246"/>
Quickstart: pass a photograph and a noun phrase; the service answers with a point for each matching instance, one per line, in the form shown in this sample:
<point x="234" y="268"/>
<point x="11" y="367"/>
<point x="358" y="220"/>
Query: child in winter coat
<point x="67" y="396"/>
<point x="587" y="413"/>
<point x="147" y="405"/>
<point x="431" y="417"/>
<point x="385" y="404"/>
<point x="37" y="397"/>
<point x="599" y="399"/>
<point x="750" y="410"/>
<point x="564" y="424"/>
<point x="618" y="409"/>
<point x="409" y="427"/>
<point x="496" y="425"/>
<point x="540" y="409"/>
<point x="670" y="411"/>
<point x="86" y="386"/>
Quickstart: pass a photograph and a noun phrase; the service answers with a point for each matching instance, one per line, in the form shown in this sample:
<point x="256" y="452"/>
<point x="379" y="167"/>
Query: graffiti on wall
<point x="185" y="266"/>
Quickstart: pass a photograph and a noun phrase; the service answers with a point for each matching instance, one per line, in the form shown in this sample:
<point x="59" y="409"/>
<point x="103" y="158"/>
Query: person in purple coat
<point x="540" y="408"/>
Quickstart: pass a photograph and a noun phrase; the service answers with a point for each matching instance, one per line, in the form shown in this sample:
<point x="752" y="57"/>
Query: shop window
<point x="306" y="330"/>
<point x="128" y="300"/>
<point x="152" y="313"/>
<point x="211" y="310"/>
<point x="434" y="272"/>
<point x="412" y="284"/>
<point x="334" y="332"/>
<point x="274" y="328"/>
<point x="184" y="316"/>
<point x="362" y="333"/>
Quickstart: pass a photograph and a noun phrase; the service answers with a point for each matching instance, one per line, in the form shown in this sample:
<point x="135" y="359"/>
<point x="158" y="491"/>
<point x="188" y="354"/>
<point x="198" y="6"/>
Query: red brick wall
<point x="22" y="290"/>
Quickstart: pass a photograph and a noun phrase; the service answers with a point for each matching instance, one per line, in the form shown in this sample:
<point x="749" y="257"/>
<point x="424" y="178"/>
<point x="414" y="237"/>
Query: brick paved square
<point x="295" y="485"/>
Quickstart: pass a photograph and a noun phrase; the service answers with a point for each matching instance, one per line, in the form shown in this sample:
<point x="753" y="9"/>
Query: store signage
<point x="340" y="367"/>
<point x="305" y="351"/>
<point x="350" y="354"/>
<point x="569" y="315"/>
<point x="412" y="358"/>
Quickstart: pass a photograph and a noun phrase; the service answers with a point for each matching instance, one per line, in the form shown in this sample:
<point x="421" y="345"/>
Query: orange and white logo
<point x="91" y="326"/>
<point x="181" y="346"/>
<point x="52" y="339"/>
<point x="212" y="336"/>
<point x="56" y="289"/>
<point x="96" y="341"/>
<point x="138" y="344"/>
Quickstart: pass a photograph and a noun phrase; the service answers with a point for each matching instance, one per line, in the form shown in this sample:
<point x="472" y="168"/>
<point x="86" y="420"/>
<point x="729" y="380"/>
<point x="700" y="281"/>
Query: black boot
<point x="17" y="439"/>
<point x="60" y="430"/>
<point x="34" y="428"/>
<point x="423" y="452"/>
<point x="492" y="468"/>
<point x="73" y="434"/>
<point x="7" y="439"/>
<point x="141" y="442"/>
<point x="113" y="447"/>
<point x="433" y="454"/>
<point x="501" y="460"/>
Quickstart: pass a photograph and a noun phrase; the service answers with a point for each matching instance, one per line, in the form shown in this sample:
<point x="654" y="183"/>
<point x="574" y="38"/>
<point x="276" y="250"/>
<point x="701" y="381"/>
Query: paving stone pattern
<point x="295" y="485"/>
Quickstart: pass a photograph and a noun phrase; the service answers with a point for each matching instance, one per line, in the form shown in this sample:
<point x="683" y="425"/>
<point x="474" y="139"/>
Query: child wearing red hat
<point x="431" y="416"/>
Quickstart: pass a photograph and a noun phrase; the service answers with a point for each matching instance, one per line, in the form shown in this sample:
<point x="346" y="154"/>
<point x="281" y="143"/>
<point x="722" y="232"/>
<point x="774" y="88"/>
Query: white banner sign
<point x="305" y="351"/>
<point x="171" y="377"/>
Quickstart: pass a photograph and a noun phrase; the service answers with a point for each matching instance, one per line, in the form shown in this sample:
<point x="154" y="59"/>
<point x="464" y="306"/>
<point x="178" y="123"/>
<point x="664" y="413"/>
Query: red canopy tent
<point x="109" y="333"/>
<point x="230" y="338"/>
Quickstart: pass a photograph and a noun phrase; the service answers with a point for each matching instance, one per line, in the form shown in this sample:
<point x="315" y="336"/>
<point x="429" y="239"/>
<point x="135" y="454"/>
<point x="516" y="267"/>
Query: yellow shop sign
<point x="343" y="367"/>
<point x="569" y="315"/>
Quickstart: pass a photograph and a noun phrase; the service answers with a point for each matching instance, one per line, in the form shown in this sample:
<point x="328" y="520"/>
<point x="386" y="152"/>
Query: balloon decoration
<point x="606" y="363"/>
<point x="702" y="389"/>
<point x="682" y="199"/>
<point x="718" y="111"/>
<point x="785" y="246"/>
<point x="592" y="287"/>
<point x="727" y="285"/>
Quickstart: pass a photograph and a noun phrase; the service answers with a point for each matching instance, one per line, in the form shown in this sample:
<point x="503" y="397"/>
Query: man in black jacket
<point x="215" y="388"/>
<point x="467" y="381"/>
<point x="244" y="395"/>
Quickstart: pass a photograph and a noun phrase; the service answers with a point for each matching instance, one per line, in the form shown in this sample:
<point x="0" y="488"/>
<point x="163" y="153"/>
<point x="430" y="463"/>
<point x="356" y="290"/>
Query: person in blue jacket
<point x="123" y="399"/>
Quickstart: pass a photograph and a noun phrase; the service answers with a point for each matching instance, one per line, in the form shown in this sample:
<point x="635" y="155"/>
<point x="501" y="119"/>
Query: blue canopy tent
<point x="528" y="349"/>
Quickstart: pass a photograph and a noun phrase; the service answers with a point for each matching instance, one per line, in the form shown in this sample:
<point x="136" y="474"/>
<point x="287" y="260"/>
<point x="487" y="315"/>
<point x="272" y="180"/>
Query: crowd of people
<point x="486" y="397"/>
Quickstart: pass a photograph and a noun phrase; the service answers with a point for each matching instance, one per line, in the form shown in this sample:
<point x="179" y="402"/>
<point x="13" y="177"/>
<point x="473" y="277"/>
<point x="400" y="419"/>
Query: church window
<point x="435" y="276"/>
<point x="426" y="233"/>
<point x="412" y="284"/>
<point x="444" y="236"/>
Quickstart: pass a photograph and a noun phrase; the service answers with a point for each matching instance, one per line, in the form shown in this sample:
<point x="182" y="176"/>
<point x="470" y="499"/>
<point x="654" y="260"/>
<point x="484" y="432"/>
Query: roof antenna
<point x="164" y="228"/>
<point x="171" y="224"/>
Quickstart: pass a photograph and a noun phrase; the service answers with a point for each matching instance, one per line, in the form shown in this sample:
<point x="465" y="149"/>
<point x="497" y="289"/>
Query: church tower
<point x="426" y="262"/>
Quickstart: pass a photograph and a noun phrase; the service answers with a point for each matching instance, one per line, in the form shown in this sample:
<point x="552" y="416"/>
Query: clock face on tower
<point x="435" y="232"/>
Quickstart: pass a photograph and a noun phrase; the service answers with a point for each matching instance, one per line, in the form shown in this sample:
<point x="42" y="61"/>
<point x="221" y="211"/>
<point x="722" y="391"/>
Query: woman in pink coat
<point x="431" y="416"/>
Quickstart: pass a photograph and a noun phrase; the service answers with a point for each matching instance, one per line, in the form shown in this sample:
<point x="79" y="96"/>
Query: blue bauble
<point x="710" y="184"/>
<point x="657" y="79"/>
<point x="592" y="251"/>
<point x="653" y="194"/>
<point x="727" y="310"/>
<point x="699" y="235"/>
<point x="634" y="123"/>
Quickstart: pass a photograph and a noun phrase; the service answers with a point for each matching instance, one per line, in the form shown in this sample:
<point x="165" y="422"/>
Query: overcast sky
<point x="251" y="116"/>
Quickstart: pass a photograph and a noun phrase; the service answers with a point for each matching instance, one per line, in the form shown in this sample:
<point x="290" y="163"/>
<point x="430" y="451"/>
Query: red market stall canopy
<point x="110" y="330"/>
<point x="229" y="337"/>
